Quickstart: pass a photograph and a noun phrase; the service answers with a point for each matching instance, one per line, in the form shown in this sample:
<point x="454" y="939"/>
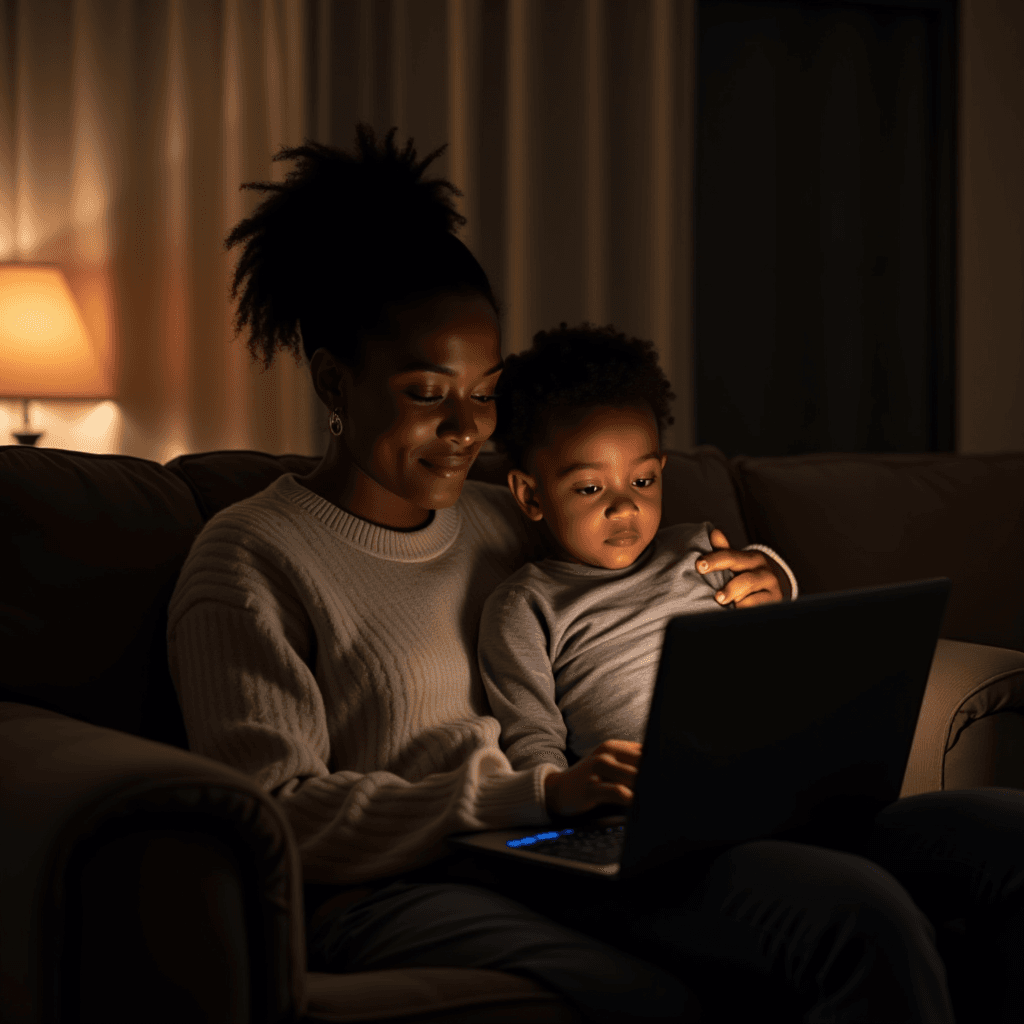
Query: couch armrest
<point x="140" y="882"/>
<point x="968" y="683"/>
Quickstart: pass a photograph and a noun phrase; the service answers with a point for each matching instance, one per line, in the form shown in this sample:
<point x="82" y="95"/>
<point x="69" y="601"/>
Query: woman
<point x="322" y="634"/>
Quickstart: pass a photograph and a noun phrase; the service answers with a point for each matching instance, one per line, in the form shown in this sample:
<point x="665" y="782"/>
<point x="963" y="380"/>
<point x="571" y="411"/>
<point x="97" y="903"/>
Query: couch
<point x="139" y="881"/>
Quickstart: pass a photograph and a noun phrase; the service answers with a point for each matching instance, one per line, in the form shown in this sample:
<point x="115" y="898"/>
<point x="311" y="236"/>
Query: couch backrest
<point x="90" y="549"/>
<point x="847" y="521"/>
<point x="219" y="479"/>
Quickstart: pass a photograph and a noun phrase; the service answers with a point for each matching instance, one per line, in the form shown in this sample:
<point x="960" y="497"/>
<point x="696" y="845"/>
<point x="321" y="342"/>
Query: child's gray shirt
<point x="569" y="653"/>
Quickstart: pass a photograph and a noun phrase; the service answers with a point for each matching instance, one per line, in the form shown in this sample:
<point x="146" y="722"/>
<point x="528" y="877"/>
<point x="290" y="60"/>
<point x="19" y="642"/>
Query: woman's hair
<point x="343" y="240"/>
<point x="569" y="371"/>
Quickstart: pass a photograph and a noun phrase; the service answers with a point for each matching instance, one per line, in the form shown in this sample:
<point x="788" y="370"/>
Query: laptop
<point x="791" y="720"/>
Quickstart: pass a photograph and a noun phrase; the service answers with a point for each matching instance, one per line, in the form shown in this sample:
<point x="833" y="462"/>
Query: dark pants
<point x="929" y="906"/>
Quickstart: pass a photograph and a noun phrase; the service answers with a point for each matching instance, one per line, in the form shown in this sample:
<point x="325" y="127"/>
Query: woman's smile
<point x="447" y="466"/>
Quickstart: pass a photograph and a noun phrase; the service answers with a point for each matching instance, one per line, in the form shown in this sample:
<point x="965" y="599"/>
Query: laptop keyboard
<point x="598" y="845"/>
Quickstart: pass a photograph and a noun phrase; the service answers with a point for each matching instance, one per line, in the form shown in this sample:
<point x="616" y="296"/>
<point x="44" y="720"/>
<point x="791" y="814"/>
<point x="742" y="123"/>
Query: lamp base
<point x="26" y="436"/>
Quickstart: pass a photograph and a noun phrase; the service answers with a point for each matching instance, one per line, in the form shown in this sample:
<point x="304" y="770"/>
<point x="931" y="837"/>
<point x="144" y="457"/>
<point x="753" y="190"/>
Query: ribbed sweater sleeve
<point x="330" y="664"/>
<point x="794" y="588"/>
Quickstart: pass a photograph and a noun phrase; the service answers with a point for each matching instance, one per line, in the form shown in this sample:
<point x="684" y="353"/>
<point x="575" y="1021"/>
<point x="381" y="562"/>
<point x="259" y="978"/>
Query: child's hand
<point x="758" y="579"/>
<point x="604" y="776"/>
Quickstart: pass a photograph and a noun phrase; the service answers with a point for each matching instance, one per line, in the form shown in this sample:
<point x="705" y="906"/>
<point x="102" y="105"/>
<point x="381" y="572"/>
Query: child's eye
<point x="589" y="490"/>
<point x="644" y="481"/>
<point x="484" y="398"/>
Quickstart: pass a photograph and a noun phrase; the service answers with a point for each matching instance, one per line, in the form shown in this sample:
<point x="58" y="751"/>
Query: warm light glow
<point x="75" y="424"/>
<point x="98" y="422"/>
<point x="45" y="349"/>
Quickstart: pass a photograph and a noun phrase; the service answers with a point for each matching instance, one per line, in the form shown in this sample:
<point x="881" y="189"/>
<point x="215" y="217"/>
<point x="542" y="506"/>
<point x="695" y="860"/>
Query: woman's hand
<point x="604" y="776"/>
<point x="758" y="579"/>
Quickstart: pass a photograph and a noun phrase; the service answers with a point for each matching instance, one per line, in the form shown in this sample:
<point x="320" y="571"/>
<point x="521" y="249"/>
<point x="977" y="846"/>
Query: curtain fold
<point x="127" y="126"/>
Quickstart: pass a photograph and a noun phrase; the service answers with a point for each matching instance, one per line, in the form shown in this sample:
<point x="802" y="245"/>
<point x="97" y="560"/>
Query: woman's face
<point x="417" y="411"/>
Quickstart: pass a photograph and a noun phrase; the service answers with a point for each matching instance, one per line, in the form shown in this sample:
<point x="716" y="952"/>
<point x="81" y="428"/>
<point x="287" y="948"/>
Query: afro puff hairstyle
<point x="570" y="370"/>
<point x="344" y="238"/>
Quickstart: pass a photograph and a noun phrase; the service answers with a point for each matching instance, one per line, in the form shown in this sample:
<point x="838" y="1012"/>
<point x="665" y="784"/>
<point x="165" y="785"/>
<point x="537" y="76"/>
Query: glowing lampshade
<point x="45" y="349"/>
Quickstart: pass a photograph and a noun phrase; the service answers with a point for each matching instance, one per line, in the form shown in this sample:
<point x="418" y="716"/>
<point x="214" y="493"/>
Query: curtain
<point x="569" y="125"/>
<point x="824" y="235"/>
<point x="126" y="127"/>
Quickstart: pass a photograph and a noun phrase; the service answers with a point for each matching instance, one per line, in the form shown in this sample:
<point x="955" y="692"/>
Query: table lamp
<point x="45" y="349"/>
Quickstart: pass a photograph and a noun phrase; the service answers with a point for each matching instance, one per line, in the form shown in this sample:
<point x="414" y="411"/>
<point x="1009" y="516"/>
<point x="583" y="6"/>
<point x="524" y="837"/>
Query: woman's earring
<point x="334" y="422"/>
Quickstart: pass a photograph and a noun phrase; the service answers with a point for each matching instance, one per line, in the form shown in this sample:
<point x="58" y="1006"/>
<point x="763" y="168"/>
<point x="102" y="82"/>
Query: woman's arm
<point x="241" y="647"/>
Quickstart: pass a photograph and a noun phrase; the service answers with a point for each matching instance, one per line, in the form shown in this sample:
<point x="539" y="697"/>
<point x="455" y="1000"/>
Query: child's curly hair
<point x="570" y="369"/>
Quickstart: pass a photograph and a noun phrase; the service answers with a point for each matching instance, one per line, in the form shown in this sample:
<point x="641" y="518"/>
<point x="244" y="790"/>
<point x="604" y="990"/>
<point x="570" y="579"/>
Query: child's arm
<point x="605" y="776"/>
<point x="761" y="577"/>
<point x="517" y="675"/>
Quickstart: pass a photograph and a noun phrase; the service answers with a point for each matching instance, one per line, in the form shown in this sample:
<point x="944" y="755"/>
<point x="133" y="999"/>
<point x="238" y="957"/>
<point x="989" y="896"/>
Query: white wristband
<point x="775" y="558"/>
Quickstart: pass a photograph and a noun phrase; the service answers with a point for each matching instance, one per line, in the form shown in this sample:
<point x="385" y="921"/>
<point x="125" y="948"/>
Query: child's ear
<point x="524" y="490"/>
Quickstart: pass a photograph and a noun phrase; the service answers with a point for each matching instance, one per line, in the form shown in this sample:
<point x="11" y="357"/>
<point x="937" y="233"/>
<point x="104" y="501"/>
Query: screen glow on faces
<point x="421" y="407"/>
<point x="597" y="484"/>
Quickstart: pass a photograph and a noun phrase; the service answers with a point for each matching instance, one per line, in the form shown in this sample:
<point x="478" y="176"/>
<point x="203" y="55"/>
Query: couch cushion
<point x="697" y="486"/>
<point x="433" y="995"/>
<point x="219" y="479"/>
<point x="846" y="521"/>
<point x="91" y="547"/>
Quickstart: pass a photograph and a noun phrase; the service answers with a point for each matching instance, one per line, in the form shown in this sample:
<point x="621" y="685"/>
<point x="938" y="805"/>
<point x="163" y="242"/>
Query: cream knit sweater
<point x="334" y="662"/>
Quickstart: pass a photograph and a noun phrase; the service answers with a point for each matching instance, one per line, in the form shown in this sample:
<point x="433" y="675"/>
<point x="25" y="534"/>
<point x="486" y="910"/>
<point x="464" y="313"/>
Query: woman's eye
<point x="588" y="490"/>
<point x="434" y="399"/>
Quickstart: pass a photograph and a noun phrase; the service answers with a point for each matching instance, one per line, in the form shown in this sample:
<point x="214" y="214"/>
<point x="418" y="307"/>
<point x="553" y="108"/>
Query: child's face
<point x="597" y="484"/>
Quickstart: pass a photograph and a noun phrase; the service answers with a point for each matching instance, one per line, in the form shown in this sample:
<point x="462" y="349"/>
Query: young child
<point x="569" y="646"/>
